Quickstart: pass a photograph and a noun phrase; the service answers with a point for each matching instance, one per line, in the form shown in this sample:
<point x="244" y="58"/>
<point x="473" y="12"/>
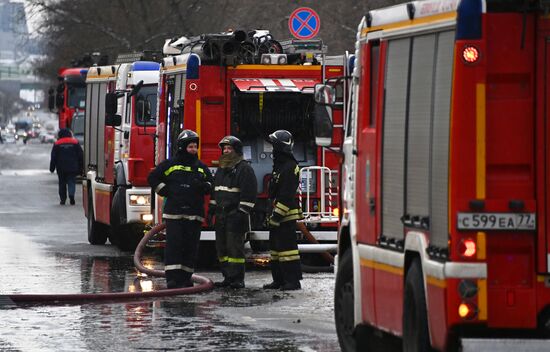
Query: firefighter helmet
<point x="233" y="142"/>
<point x="186" y="137"/>
<point x="282" y="141"/>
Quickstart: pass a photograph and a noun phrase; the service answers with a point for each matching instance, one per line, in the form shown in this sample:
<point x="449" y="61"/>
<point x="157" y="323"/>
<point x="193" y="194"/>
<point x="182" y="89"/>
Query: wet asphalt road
<point x="45" y="250"/>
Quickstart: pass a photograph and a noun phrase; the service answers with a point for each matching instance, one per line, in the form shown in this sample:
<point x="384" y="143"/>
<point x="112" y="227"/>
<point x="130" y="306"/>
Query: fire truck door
<point x="366" y="145"/>
<point x="544" y="106"/>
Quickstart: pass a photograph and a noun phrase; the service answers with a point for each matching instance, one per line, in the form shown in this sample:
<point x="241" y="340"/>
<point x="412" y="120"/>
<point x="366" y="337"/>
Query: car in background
<point x="47" y="137"/>
<point x="8" y="138"/>
<point x="23" y="135"/>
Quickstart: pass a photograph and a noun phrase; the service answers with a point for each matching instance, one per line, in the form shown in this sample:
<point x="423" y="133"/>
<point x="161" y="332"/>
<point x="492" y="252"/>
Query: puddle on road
<point x="181" y="323"/>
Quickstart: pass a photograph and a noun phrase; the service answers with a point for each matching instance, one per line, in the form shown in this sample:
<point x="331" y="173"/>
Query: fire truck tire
<point x="349" y="337"/>
<point x="97" y="232"/>
<point x="416" y="336"/>
<point x="129" y="236"/>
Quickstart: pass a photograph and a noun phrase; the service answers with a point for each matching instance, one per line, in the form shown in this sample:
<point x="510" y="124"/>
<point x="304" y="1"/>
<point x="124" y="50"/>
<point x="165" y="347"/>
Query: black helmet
<point x="282" y="141"/>
<point x="186" y="137"/>
<point x="232" y="141"/>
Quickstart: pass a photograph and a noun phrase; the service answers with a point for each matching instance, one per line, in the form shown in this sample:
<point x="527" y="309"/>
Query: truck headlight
<point x="136" y="199"/>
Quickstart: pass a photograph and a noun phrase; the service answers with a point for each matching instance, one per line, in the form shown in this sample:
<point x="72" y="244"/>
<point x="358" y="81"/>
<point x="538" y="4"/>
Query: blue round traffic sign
<point x="304" y="23"/>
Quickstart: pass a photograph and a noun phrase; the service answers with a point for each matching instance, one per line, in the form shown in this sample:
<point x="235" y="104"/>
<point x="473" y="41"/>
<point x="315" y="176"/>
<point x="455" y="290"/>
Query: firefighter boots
<point x="237" y="284"/>
<point x="290" y="286"/>
<point x="223" y="283"/>
<point x="272" y="286"/>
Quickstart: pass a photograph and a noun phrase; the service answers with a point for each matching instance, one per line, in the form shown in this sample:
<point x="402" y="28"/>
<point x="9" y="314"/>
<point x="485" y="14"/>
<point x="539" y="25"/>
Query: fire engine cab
<point x="69" y="96"/>
<point x="249" y="85"/>
<point x="119" y="146"/>
<point x="445" y="181"/>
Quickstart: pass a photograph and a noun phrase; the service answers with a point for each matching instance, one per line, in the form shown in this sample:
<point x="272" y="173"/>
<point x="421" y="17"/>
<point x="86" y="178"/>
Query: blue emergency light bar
<point x="468" y="21"/>
<point x="145" y="66"/>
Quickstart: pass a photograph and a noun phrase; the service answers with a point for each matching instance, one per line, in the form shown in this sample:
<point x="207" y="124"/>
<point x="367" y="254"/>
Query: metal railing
<point x="318" y="201"/>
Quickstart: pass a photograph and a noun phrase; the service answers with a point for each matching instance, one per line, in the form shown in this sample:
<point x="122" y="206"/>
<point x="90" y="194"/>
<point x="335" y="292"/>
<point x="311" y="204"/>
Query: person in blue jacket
<point x="67" y="158"/>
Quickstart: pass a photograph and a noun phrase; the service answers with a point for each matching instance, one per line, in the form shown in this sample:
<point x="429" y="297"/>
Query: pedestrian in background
<point x="184" y="181"/>
<point x="67" y="158"/>
<point x="285" y="258"/>
<point x="232" y="201"/>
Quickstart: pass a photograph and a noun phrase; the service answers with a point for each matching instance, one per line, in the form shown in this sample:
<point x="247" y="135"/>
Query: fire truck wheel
<point x="129" y="236"/>
<point x="97" y="232"/>
<point x="415" y="320"/>
<point x="343" y="304"/>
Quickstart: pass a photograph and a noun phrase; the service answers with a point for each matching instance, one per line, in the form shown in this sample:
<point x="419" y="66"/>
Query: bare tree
<point x="71" y="28"/>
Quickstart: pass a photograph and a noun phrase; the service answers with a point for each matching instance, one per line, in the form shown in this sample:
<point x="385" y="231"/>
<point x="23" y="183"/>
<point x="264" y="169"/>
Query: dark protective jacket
<point x="234" y="189"/>
<point x="282" y="189"/>
<point x="183" y="182"/>
<point x="67" y="156"/>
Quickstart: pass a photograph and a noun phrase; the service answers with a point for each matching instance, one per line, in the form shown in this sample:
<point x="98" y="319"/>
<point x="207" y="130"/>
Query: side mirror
<point x="322" y="125"/>
<point x="59" y="100"/>
<point x="136" y="88"/>
<point x="113" y="120"/>
<point x="51" y="99"/>
<point x="325" y="94"/>
<point x="111" y="101"/>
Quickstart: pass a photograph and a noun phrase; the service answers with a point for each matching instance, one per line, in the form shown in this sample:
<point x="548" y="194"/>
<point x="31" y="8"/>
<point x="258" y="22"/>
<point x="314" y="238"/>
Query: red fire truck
<point x="69" y="95"/>
<point x="249" y="85"/>
<point x="445" y="186"/>
<point x="119" y="139"/>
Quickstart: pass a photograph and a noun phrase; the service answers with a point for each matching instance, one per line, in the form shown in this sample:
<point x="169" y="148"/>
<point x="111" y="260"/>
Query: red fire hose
<point x="204" y="284"/>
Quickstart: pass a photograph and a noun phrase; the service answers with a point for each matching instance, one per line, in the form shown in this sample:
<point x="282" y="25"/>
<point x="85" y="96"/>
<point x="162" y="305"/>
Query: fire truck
<point x="445" y="188"/>
<point x="69" y="96"/>
<point x="119" y="135"/>
<point x="249" y="85"/>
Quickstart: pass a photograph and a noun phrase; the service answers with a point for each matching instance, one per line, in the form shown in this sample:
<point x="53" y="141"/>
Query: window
<point x="146" y="106"/>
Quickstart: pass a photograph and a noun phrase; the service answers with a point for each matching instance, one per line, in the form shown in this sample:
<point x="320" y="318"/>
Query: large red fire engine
<point x="119" y="138"/>
<point x="69" y="96"/>
<point x="249" y="85"/>
<point x="445" y="185"/>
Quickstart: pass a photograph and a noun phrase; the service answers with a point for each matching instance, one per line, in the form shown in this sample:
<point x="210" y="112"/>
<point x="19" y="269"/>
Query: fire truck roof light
<point x="468" y="21"/>
<point x="274" y="59"/>
<point x="467" y="248"/>
<point x="470" y="54"/>
<point x="145" y="66"/>
<point x="193" y="63"/>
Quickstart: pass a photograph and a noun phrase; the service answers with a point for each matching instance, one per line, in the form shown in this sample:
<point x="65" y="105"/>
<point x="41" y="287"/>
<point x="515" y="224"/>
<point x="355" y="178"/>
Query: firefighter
<point x="184" y="181"/>
<point x="232" y="201"/>
<point x="285" y="258"/>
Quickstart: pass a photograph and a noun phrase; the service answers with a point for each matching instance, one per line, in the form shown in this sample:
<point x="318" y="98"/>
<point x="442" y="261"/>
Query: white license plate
<point x="497" y="221"/>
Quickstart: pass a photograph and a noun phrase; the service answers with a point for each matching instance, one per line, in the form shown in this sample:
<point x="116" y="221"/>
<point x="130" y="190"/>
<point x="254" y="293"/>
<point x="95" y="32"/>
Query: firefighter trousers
<point x="231" y="229"/>
<point x="180" y="253"/>
<point x="285" y="258"/>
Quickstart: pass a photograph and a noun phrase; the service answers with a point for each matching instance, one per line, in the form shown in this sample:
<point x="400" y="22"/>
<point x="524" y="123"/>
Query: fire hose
<point x="204" y="284"/>
<point x="326" y="255"/>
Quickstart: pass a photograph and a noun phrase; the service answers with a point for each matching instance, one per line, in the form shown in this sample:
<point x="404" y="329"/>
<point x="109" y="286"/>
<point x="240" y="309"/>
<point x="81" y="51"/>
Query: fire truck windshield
<point x="146" y="106"/>
<point x="76" y="95"/>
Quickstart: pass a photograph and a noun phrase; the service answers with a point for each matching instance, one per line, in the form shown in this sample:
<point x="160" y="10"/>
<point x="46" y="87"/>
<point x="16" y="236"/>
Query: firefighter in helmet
<point x="184" y="181"/>
<point x="231" y="203"/>
<point x="285" y="258"/>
